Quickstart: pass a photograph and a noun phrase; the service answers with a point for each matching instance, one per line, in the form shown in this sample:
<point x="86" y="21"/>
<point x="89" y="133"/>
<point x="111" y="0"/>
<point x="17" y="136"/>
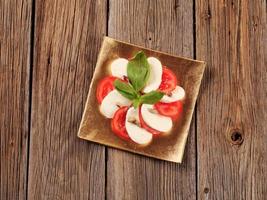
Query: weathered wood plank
<point x="15" y="20"/>
<point x="166" y="26"/>
<point x="231" y="116"/>
<point x="68" y="35"/>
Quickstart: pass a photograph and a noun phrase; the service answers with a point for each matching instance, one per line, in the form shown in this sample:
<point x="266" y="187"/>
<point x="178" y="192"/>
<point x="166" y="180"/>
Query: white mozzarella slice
<point x="112" y="102"/>
<point x="135" y="132"/>
<point x="155" y="120"/>
<point x="119" y="67"/>
<point x="154" y="80"/>
<point x="177" y="94"/>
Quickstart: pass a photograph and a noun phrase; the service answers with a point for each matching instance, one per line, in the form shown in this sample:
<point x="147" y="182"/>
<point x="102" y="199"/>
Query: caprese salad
<point x="141" y="97"/>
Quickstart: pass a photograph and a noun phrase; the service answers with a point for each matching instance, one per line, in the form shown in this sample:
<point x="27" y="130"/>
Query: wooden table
<point x="48" y="51"/>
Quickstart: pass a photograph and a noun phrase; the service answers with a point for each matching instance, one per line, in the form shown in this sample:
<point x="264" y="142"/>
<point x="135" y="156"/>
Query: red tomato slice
<point x="145" y="126"/>
<point x="104" y="87"/>
<point x="173" y="110"/>
<point x="118" y="123"/>
<point x="169" y="80"/>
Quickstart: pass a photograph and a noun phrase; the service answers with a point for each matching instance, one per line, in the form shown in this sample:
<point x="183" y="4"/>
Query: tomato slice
<point x="173" y="110"/>
<point x="104" y="87"/>
<point x="118" y="123"/>
<point x="169" y="80"/>
<point x="145" y="126"/>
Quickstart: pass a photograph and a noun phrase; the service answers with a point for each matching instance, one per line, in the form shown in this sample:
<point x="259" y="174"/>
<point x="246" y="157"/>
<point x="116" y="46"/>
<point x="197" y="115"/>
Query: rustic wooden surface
<point x="48" y="50"/>
<point x="15" y="30"/>
<point x="231" y="114"/>
<point x="67" y="37"/>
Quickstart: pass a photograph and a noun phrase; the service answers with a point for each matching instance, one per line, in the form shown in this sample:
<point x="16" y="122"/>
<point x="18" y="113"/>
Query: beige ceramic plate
<point x="96" y="128"/>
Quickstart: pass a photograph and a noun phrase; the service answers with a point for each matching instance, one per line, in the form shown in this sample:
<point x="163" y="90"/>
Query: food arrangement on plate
<point x="141" y="100"/>
<point x="141" y="97"/>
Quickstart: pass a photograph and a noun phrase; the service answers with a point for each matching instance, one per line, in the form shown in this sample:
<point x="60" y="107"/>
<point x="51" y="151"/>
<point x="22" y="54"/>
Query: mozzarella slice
<point x="177" y="94"/>
<point x="119" y="67"/>
<point x="112" y="102"/>
<point x="154" y="80"/>
<point x="155" y="120"/>
<point x="135" y="132"/>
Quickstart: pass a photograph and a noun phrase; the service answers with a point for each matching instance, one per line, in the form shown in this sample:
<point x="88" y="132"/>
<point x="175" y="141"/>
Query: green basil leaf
<point x="125" y="89"/>
<point x="138" y="71"/>
<point x="151" y="97"/>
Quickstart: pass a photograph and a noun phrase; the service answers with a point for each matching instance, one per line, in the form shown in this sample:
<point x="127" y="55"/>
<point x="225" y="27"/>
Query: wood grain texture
<point x="15" y="21"/>
<point x="231" y="116"/>
<point x="166" y="26"/>
<point x="68" y="35"/>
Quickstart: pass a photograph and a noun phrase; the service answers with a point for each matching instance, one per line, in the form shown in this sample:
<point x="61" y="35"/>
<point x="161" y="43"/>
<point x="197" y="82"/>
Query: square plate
<point x="96" y="128"/>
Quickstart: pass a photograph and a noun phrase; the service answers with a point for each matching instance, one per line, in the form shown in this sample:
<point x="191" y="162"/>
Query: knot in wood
<point x="237" y="137"/>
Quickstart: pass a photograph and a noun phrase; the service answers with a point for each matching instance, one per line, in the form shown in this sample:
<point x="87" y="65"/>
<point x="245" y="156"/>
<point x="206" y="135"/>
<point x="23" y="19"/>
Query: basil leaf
<point x="151" y="97"/>
<point x="125" y="89"/>
<point x="138" y="71"/>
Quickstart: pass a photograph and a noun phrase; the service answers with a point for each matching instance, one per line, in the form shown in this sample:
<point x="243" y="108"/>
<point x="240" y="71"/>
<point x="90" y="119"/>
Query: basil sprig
<point x="125" y="89"/>
<point x="138" y="71"/>
<point x="151" y="97"/>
